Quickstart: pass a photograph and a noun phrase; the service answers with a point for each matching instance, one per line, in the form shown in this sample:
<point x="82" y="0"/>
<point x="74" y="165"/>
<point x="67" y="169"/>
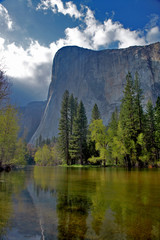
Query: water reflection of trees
<point x="5" y="208"/>
<point x="72" y="213"/>
<point x="130" y="199"/>
<point x="10" y="184"/>
<point x="102" y="203"/>
<point x="72" y="209"/>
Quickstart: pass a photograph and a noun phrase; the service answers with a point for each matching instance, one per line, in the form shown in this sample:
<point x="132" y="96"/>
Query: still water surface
<point x="47" y="203"/>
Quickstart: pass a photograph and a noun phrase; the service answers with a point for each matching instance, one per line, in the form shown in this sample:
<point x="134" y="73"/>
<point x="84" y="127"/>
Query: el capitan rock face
<point x="98" y="77"/>
<point x="30" y="117"/>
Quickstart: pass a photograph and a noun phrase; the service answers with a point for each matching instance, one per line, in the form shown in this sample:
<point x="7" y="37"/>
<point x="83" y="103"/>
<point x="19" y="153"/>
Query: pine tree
<point x="112" y="133"/>
<point x="73" y="103"/>
<point x="113" y="125"/>
<point x="157" y="126"/>
<point x="95" y="113"/>
<point x="64" y="128"/>
<point x="127" y="121"/>
<point x="131" y="119"/>
<point x="78" y="140"/>
<point x="139" y="118"/>
<point x="150" y="130"/>
<point x="91" y="144"/>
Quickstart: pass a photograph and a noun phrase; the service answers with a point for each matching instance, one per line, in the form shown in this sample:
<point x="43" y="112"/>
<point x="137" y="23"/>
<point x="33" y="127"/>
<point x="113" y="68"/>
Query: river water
<point x="47" y="203"/>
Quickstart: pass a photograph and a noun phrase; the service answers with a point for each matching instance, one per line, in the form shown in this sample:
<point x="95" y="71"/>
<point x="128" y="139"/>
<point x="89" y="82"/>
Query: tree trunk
<point x="129" y="165"/>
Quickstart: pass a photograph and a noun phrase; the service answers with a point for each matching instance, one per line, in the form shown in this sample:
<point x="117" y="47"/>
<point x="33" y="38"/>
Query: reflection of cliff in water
<point x="63" y="213"/>
<point x="24" y="222"/>
<point x="18" y="218"/>
<point x="45" y="204"/>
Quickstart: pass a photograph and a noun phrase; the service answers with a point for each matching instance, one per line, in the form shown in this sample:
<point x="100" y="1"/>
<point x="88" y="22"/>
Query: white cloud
<point x="27" y="63"/>
<point x="32" y="65"/>
<point x="29" y="68"/>
<point x="95" y="35"/>
<point x="153" y="35"/>
<point x="5" y="18"/>
<point x="24" y="63"/>
<point x="58" y="6"/>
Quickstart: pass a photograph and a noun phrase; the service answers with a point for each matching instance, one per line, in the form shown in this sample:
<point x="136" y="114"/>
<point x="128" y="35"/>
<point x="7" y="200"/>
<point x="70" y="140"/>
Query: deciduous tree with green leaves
<point x="43" y="156"/>
<point x="99" y="135"/>
<point x="8" y="133"/>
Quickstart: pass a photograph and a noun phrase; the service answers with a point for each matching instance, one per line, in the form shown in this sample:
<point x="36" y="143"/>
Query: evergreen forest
<point x="132" y="137"/>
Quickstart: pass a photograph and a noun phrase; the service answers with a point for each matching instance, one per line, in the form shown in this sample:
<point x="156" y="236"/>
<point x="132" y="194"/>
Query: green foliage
<point x="99" y="135"/>
<point x="139" y="116"/>
<point x="64" y="128"/>
<point x="78" y="142"/>
<point x="72" y="130"/>
<point x="92" y="152"/>
<point x="73" y="105"/>
<point x="145" y="156"/>
<point x="131" y="119"/>
<point x="95" y="113"/>
<point x="46" y="156"/>
<point x="12" y="152"/>
<point x="8" y="133"/>
<point x="20" y="153"/>
<point x="131" y="138"/>
<point x="150" y="131"/>
<point x="43" y="156"/>
<point x="157" y="125"/>
<point x="112" y="137"/>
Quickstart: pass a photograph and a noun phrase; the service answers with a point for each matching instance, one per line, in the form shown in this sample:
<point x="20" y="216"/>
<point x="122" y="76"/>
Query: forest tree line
<point x="131" y="138"/>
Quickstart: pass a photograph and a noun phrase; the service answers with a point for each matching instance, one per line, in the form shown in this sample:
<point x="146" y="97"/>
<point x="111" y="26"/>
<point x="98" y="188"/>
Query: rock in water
<point x="98" y="77"/>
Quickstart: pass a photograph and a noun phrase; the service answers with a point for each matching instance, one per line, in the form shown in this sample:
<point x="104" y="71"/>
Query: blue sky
<point x="31" y="31"/>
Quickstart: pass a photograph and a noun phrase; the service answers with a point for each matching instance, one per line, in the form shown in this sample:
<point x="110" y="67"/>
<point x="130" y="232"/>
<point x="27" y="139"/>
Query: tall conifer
<point x="138" y="97"/>
<point x="150" y="130"/>
<point x="64" y="128"/>
<point x="78" y="140"/>
<point x="72" y="112"/>
<point x="157" y="126"/>
<point x="95" y="113"/>
<point x="127" y="120"/>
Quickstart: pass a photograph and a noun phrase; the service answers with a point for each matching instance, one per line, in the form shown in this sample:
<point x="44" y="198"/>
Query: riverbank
<point x="157" y="165"/>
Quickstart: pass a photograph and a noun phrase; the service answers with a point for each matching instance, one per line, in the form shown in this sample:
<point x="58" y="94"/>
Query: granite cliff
<point x="30" y="117"/>
<point x="98" y="77"/>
